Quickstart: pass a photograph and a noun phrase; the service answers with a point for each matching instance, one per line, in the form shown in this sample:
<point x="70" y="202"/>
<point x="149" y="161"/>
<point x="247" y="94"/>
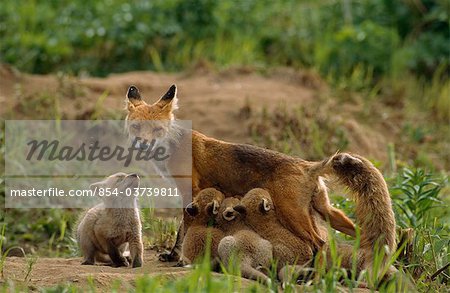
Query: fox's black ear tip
<point x="170" y="93"/>
<point x="133" y="92"/>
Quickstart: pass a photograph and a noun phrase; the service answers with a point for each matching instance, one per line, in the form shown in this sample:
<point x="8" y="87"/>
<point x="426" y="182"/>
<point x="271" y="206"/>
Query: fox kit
<point x="234" y="168"/>
<point x="242" y="243"/>
<point x="259" y="214"/>
<point x="203" y="211"/>
<point x="105" y="231"/>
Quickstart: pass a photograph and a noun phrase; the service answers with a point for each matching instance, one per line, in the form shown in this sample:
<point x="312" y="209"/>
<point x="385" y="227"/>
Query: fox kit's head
<point x="229" y="212"/>
<point x="205" y="205"/>
<point x="257" y="203"/>
<point x="113" y="189"/>
<point x="148" y="122"/>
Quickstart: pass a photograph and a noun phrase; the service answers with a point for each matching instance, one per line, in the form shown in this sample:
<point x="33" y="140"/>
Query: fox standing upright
<point x="233" y="168"/>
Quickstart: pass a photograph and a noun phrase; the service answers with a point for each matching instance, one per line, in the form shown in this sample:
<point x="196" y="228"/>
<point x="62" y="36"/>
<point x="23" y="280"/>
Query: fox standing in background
<point x="233" y="168"/>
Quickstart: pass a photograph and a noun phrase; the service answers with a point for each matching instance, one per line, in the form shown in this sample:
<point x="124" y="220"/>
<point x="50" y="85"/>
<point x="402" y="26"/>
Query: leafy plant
<point x="415" y="193"/>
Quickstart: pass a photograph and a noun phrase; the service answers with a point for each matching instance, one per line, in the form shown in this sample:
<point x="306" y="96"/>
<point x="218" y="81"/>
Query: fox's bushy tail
<point x="374" y="213"/>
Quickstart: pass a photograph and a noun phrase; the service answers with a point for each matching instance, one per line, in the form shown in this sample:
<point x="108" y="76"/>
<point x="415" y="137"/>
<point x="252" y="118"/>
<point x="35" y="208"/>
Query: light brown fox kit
<point x="288" y="249"/>
<point x="236" y="168"/>
<point x="105" y="231"/>
<point x="242" y="243"/>
<point x="202" y="212"/>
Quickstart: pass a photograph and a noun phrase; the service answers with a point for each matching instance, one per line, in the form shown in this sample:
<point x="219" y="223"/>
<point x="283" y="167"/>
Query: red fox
<point x="234" y="168"/>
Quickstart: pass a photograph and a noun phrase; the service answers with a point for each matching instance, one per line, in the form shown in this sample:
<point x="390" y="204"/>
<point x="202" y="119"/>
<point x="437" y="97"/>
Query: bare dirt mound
<point x="222" y="105"/>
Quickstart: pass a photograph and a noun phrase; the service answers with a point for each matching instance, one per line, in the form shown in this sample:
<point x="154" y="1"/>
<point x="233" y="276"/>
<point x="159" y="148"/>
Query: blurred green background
<point x="99" y="37"/>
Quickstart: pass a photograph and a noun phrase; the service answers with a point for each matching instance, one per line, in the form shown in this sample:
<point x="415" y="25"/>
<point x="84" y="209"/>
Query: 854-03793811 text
<point x="52" y="164"/>
<point x="131" y="192"/>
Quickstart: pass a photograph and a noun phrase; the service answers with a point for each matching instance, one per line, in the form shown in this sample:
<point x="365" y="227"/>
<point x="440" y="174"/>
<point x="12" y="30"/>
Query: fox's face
<point x="150" y="122"/>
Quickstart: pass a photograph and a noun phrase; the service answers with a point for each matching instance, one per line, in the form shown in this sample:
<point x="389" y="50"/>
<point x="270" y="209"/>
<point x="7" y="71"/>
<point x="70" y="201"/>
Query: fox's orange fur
<point x="374" y="213"/>
<point x="237" y="168"/>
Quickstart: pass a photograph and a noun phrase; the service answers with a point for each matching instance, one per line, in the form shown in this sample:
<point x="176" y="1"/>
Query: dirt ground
<point x="49" y="272"/>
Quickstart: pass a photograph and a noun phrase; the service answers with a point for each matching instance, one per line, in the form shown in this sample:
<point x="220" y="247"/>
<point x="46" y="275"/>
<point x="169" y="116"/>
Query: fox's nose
<point x="229" y="214"/>
<point x="133" y="93"/>
<point x="134" y="175"/>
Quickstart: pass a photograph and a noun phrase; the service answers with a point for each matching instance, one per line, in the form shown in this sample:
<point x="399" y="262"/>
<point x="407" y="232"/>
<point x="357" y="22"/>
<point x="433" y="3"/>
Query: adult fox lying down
<point x="234" y="168"/>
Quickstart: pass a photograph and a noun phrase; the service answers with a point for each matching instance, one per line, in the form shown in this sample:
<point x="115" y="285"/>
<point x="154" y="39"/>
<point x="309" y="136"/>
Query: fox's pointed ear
<point x="171" y="93"/>
<point x="169" y="99"/>
<point x="133" y="93"/>
<point x="133" y="96"/>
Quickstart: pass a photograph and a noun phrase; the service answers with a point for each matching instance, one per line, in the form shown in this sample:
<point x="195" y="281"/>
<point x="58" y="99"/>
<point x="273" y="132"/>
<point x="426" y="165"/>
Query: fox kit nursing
<point x="202" y="212"/>
<point x="242" y="242"/>
<point x="105" y="231"/>
<point x="259" y="214"/>
<point x="234" y="168"/>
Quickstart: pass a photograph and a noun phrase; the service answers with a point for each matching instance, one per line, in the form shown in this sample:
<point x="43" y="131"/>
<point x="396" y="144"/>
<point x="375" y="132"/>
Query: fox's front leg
<point x="175" y="253"/>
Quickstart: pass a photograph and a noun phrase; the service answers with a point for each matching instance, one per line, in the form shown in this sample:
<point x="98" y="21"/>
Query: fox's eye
<point x="136" y="126"/>
<point x="157" y="129"/>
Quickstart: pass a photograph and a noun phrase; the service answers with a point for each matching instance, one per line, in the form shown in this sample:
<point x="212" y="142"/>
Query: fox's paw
<point x="318" y="244"/>
<point x="168" y="256"/>
<point x="123" y="262"/>
<point x="137" y="262"/>
<point x="88" y="263"/>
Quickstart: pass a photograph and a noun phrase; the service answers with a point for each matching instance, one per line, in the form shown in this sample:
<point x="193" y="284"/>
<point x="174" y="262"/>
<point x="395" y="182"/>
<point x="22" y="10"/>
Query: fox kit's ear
<point x="212" y="208"/>
<point x="134" y="97"/>
<point x="192" y="209"/>
<point x="169" y="99"/>
<point x="241" y="209"/>
<point x="264" y="206"/>
<point x="95" y="185"/>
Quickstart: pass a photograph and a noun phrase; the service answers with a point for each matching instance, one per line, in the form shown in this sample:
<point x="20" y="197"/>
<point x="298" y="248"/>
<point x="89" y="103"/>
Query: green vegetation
<point x="334" y="36"/>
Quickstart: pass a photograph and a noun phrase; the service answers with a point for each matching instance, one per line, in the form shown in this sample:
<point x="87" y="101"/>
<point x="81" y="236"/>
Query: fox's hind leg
<point x="88" y="250"/>
<point x="338" y="219"/>
<point x="116" y="256"/>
